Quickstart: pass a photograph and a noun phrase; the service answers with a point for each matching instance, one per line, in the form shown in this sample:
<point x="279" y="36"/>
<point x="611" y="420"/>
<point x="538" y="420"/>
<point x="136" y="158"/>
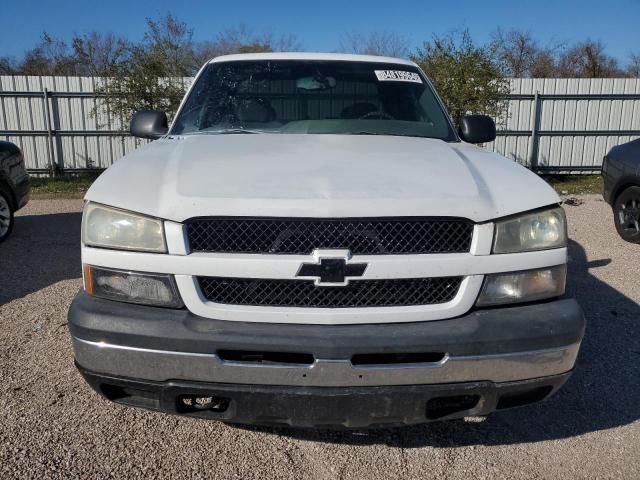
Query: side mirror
<point x="477" y="129"/>
<point x="149" y="124"/>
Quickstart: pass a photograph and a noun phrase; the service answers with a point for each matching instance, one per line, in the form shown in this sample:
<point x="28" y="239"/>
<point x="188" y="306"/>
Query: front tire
<point x="626" y="214"/>
<point x="6" y="216"/>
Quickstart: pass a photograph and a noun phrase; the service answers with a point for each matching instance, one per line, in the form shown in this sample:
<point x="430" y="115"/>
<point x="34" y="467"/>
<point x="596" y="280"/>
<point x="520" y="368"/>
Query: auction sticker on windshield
<point x="397" y="76"/>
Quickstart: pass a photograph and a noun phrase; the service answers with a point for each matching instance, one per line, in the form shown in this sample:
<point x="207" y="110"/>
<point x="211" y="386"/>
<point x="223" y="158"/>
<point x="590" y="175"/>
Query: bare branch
<point x="588" y="60"/>
<point x="387" y="44"/>
<point x="243" y="39"/>
<point x="100" y="54"/>
<point x="633" y="70"/>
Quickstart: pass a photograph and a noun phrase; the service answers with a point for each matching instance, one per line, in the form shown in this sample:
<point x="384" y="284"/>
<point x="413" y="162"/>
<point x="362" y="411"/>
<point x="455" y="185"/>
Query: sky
<point x="320" y="24"/>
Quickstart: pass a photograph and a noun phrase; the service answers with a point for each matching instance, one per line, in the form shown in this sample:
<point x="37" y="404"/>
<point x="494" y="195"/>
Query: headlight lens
<point x="113" y="228"/>
<point x="133" y="287"/>
<point x="518" y="287"/>
<point x="532" y="231"/>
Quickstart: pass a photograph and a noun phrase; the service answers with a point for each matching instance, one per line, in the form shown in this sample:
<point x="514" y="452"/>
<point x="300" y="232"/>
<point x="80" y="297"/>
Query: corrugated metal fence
<point x="61" y="121"/>
<point x="568" y="125"/>
<point x="555" y="125"/>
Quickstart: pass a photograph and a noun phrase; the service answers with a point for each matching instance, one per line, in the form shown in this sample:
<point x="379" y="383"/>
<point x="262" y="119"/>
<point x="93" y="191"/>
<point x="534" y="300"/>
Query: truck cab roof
<point x="346" y="57"/>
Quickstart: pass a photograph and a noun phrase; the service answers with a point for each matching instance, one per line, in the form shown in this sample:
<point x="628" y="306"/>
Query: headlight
<point x="519" y="287"/>
<point x="133" y="287"/>
<point x="113" y="228"/>
<point x="532" y="231"/>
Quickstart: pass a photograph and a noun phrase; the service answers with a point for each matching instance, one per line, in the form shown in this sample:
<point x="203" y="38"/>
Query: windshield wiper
<point x="388" y="134"/>
<point x="222" y="131"/>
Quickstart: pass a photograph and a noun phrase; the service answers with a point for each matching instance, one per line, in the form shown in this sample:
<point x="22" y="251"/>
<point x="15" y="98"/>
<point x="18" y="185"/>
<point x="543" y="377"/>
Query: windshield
<point x="297" y="96"/>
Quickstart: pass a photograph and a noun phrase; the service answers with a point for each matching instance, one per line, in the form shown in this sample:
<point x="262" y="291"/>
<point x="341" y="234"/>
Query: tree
<point x="544" y="65"/>
<point x="633" y="70"/>
<point x="523" y="56"/>
<point x="51" y="56"/>
<point x="8" y="66"/>
<point x="100" y="54"/>
<point x="517" y="50"/>
<point x="588" y="60"/>
<point x="242" y="39"/>
<point x="466" y="76"/>
<point x="387" y="44"/>
<point x="151" y="76"/>
<point x="170" y="42"/>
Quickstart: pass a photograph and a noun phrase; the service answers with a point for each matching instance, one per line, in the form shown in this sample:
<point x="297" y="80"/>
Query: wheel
<point x="626" y="213"/>
<point x="6" y="216"/>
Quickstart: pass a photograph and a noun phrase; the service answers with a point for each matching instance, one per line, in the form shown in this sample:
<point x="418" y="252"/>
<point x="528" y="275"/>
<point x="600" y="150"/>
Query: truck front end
<point x="288" y="258"/>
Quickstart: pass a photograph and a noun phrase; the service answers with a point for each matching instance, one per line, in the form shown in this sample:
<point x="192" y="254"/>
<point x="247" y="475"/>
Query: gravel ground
<point x="53" y="425"/>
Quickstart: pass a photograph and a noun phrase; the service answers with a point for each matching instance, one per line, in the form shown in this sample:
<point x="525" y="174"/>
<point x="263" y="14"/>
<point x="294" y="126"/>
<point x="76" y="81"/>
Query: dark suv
<point x="14" y="186"/>
<point x="621" y="173"/>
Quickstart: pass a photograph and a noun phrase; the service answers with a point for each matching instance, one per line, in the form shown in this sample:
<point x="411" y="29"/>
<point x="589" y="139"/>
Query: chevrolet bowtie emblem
<point x="332" y="271"/>
<point x="332" y="268"/>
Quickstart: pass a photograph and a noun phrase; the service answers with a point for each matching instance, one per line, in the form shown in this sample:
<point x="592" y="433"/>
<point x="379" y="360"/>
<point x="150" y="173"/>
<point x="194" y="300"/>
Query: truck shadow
<point x="603" y="393"/>
<point x="42" y="250"/>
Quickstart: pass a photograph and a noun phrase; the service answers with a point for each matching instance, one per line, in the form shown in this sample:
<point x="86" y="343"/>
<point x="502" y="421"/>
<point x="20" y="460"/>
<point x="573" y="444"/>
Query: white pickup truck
<point x="311" y="243"/>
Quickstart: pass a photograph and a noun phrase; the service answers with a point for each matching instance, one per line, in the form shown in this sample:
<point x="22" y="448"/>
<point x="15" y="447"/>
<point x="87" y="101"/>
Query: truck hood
<point x="278" y="175"/>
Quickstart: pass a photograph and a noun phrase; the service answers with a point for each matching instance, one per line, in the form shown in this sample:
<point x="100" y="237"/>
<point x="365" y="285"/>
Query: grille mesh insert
<point x="302" y="293"/>
<point x="302" y="236"/>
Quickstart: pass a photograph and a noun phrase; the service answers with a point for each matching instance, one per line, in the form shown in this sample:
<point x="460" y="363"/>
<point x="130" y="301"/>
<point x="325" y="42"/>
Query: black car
<point x="14" y="186"/>
<point x="621" y="173"/>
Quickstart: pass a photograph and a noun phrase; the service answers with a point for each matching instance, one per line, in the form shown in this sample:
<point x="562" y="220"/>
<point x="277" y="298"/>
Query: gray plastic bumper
<point x="495" y="345"/>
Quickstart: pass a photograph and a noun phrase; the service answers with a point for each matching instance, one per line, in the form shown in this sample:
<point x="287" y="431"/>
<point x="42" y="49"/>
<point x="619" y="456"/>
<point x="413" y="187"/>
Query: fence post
<point x="47" y="125"/>
<point x="534" y="139"/>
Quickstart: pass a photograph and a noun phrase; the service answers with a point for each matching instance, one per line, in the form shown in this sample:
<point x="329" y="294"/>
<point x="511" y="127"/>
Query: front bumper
<point x="153" y="357"/>
<point x="321" y="407"/>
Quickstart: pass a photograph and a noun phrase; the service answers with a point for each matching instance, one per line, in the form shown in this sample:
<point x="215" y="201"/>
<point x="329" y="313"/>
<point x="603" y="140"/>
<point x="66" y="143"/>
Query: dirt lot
<point x="53" y="425"/>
